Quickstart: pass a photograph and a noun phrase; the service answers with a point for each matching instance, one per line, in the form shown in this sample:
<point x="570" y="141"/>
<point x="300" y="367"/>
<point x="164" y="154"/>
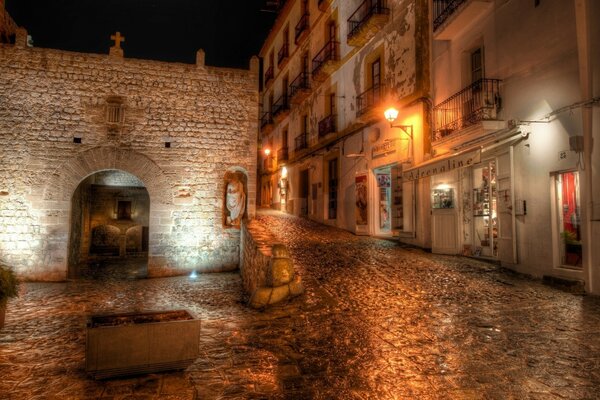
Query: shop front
<point x="472" y="203"/>
<point x="384" y="204"/>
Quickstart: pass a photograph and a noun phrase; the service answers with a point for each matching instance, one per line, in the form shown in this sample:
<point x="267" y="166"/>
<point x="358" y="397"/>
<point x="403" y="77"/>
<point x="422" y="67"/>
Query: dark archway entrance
<point x="110" y="218"/>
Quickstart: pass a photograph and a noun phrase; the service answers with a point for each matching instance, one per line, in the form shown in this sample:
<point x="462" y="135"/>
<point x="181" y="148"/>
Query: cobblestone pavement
<point x="378" y="321"/>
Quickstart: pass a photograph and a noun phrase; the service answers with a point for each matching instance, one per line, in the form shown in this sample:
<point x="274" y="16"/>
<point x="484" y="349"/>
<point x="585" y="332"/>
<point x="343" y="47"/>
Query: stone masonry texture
<point x="50" y="97"/>
<point x="378" y="321"/>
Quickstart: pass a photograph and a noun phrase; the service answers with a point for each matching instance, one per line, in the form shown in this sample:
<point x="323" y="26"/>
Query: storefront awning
<point x="443" y="164"/>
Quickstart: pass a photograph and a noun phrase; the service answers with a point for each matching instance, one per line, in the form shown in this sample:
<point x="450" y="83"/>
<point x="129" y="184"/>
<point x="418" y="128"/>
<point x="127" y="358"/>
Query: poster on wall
<point x="384" y="180"/>
<point x="361" y="210"/>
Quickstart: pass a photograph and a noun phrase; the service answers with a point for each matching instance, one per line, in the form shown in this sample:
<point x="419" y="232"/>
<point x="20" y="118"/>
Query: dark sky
<point x="230" y="32"/>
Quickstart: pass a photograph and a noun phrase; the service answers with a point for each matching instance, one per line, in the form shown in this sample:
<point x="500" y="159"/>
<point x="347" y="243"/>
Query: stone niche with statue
<point x="235" y="199"/>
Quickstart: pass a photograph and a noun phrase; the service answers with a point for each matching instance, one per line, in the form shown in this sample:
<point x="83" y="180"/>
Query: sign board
<point x="383" y="149"/>
<point x="433" y="167"/>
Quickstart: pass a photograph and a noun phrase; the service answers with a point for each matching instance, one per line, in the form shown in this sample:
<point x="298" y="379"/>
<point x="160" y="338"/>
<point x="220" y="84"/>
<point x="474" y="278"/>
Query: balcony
<point x="450" y="17"/>
<point x="266" y="123"/>
<point x="269" y="75"/>
<point x="323" y="4"/>
<point x="301" y="142"/>
<point x="299" y="88"/>
<point x="366" y="21"/>
<point x="327" y="125"/>
<point x="281" y="108"/>
<point x="367" y="101"/>
<point x="268" y="164"/>
<point x="326" y="61"/>
<point x="282" y="155"/>
<point x="301" y="28"/>
<point x="478" y="102"/>
<point x="283" y="55"/>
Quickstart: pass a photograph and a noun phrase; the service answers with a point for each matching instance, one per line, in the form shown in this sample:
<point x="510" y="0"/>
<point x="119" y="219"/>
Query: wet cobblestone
<point x="378" y="321"/>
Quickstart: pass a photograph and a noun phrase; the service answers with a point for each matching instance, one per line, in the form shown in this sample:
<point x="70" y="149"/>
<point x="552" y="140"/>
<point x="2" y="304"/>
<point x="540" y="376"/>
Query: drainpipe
<point x="584" y="51"/>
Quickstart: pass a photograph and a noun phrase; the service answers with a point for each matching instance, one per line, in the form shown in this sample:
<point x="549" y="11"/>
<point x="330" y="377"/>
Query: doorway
<point x="568" y="217"/>
<point x="109" y="235"/>
<point x="304" y="191"/>
<point x="485" y="209"/>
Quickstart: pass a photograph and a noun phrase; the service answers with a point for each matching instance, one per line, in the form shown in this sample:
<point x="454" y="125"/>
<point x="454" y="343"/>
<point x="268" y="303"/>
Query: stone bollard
<point x="281" y="281"/>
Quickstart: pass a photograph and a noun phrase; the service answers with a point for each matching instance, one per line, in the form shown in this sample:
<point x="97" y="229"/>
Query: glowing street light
<point x="391" y="114"/>
<point x="267" y="151"/>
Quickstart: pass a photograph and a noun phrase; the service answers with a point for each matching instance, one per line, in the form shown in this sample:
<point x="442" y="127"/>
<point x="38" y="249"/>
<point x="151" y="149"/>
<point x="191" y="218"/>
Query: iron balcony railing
<point x="327" y="125"/>
<point x="301" y="142"/>
<point x="442" y="9"/>
<point x="301" y="82"/>
<point x="301" y="26"/>
<point x="283" y="53"/>
<point x="369" y="98"/>
<point x="364" y="12"/>
<point x="266" y="119"/>
<point x="281" y="105"/>
<point x="268" y="164"/>
<point x="477" y="102"/>
<point x="282" y="154"/>
<point x="329" y="52"/>
<point x="269" y="74"/>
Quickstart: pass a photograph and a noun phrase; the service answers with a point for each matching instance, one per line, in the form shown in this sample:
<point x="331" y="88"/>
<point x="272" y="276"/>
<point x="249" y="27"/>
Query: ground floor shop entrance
<point x="567" y="214"/>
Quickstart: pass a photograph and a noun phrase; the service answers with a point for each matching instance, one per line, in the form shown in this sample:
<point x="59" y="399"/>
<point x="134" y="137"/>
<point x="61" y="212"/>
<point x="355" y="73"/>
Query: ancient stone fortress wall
<point x="178" y="128"/>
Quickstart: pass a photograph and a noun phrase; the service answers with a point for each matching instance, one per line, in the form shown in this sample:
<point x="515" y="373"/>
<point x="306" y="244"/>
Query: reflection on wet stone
<point x="377" y="321"/>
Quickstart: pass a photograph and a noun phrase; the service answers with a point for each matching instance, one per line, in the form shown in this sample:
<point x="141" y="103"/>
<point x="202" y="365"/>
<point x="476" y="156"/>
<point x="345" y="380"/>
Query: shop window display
<point x="485" y="217"/>
<point x="568" y="203"/>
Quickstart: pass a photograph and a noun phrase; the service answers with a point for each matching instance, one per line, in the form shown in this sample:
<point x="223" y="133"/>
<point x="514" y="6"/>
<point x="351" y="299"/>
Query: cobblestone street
<point x="378" y="321"/>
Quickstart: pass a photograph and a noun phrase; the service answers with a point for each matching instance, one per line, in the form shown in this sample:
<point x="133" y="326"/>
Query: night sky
<point x="230" y="32"/>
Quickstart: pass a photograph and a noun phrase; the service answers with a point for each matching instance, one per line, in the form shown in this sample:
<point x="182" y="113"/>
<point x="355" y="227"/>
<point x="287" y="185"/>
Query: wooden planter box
<point x="138" y="343"/>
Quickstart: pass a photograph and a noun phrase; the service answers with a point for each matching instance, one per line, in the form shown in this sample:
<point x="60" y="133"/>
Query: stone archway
<point x="60" y="186"/>
<point x="62" y="183"/>
<point x="109" y="228"/>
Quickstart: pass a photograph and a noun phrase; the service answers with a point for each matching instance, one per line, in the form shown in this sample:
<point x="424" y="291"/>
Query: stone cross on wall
<point x="118" y="39"/>
<point x="116" y="50"/>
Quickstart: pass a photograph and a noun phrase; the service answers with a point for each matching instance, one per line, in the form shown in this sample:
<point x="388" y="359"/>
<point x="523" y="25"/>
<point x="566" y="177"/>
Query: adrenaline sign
<point x="434" y="167"/>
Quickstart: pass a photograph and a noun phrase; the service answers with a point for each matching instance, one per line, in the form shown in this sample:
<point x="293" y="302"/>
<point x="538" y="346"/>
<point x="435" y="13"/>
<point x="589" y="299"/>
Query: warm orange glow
<point x="267" y="151"/>
<point x="391" y="114"/>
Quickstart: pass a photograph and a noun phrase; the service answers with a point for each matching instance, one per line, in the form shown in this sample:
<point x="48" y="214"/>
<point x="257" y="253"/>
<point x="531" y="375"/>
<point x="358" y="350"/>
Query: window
<point x="305" y="64"/>
<point x="376" y="73"/>
<point x="331" y="28"/>
<point x="333" y="188"/>
<point x="114" y="112"/>
<point x="568" y="213"/>
<point x="284" y="139"/>
<point x="476" y="65"/>
<point x="124" y="209"/>
<point x="284" y="88"/>
<point x="332" y="104"/>
<point x="305" y="124"/>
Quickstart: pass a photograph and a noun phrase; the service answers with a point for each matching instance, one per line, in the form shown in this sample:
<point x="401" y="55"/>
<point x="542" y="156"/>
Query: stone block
<point x="279" y="294"/>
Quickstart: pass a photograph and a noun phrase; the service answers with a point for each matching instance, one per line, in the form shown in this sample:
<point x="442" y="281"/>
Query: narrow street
<point x="378" y="321"/>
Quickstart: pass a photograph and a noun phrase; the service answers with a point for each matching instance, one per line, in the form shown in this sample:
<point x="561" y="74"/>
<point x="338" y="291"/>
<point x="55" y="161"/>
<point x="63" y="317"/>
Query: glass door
<point x="485" y="210"/>
<point x="384" y="201"/>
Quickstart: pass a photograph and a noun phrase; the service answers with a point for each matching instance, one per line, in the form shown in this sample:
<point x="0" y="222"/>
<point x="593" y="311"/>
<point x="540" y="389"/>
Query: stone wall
<point x="268" y="274"/>
<point x="181" y="128"/>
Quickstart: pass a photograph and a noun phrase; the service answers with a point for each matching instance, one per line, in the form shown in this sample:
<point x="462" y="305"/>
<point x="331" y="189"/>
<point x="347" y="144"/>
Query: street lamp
<point x="267" y="151"/>
<point x="391" y="114"/>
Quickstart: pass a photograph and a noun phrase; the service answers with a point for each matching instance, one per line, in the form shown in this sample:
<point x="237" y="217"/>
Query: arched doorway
<point x="109" y="232"/>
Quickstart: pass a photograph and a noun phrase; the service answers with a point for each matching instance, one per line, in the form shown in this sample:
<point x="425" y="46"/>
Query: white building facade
<point x="513" y="173"/>
<point x="331" y="68"/>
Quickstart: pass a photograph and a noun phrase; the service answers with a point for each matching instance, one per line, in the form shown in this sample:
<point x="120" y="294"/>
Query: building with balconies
<point x="346" y="62"/>
<point x="512" y="165"/>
